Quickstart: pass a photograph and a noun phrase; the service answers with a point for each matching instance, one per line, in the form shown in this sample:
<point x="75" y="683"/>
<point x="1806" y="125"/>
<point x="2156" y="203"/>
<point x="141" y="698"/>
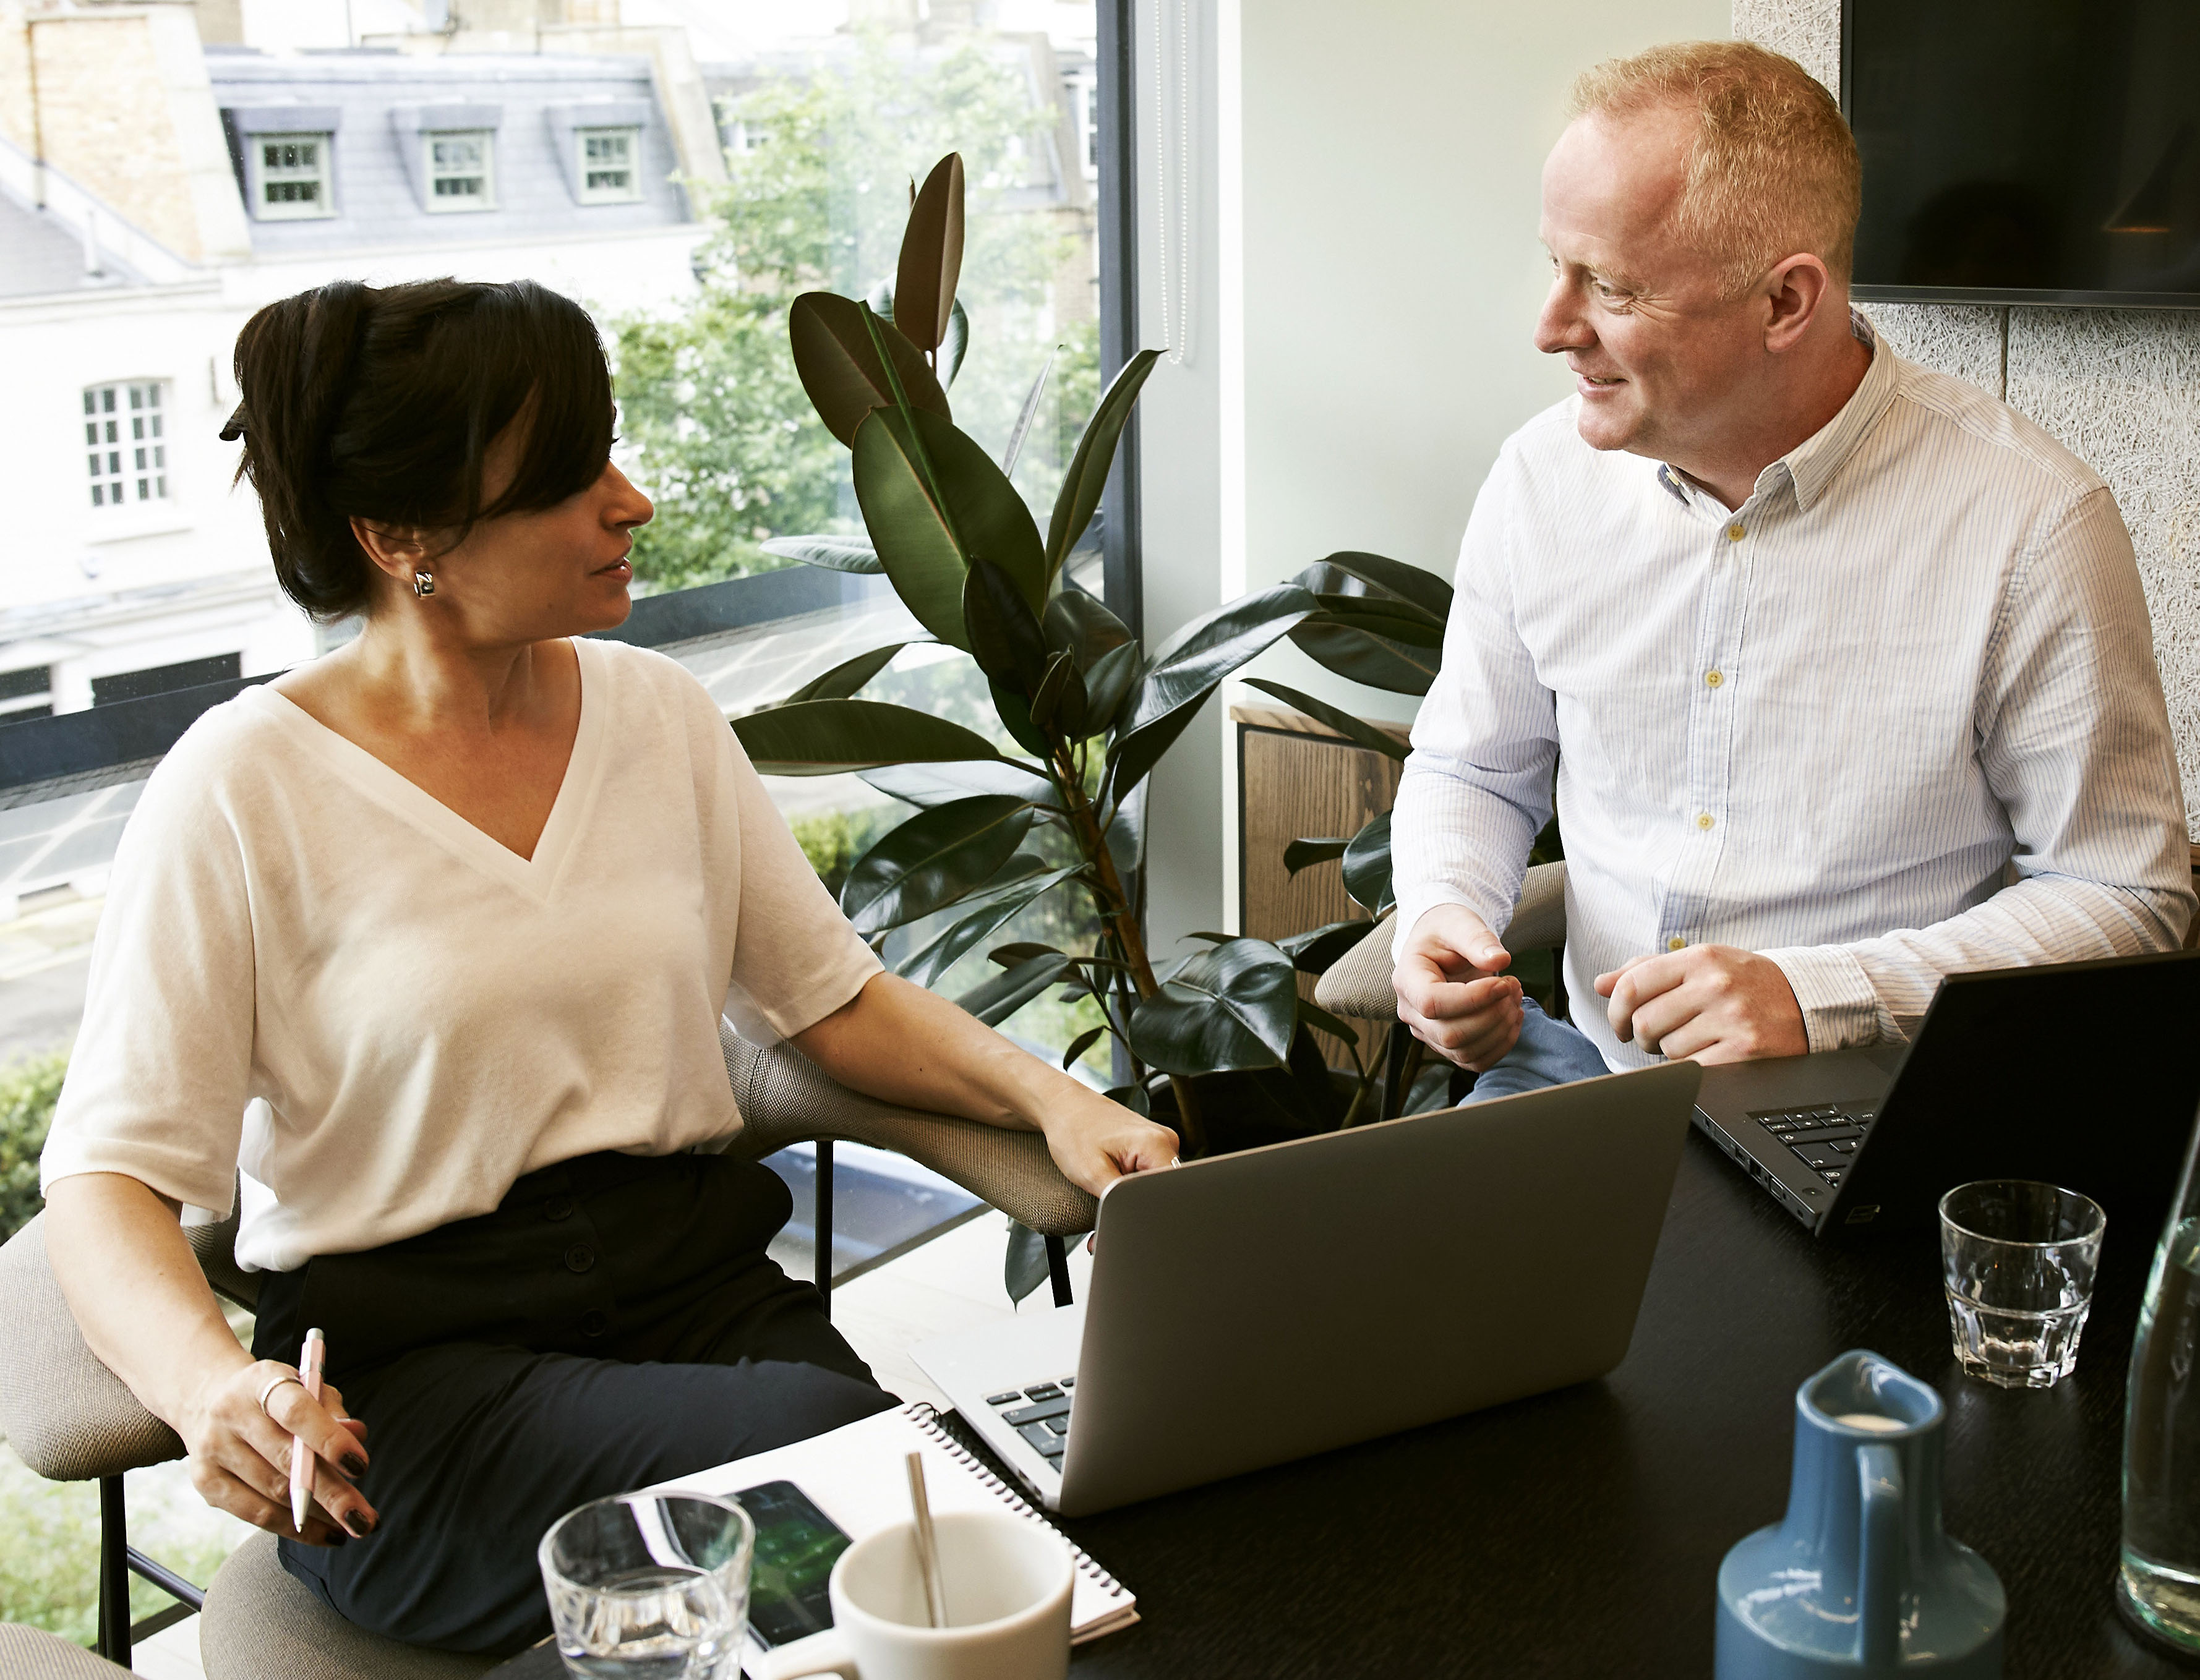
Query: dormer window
<point x="461" y="168"/>
<point x="606" y="164"/>
<point x="290" y="176"/>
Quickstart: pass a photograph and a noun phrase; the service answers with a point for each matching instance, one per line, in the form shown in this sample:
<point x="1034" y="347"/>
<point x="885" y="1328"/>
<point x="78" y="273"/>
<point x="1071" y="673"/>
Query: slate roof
<point x="40" y="257"/>
<point x="372" y="99"/>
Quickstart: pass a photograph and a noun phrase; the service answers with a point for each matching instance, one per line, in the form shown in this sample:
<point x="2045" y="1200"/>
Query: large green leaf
<point x="1075" y="621"/>
<point x="840" y="369"/>
<point x="1353" y="728"/>
<point x="926" y="548"/>
<point x="935" y="858"/>
<point x="1373" y="616"/>
<point x="1424" y="589"/>
<point x="1014" y="713"/>
<point x="925" y="785"/>
<point x="1027" y="415"/>
<point x="1304" y="852"/>
<point x="994" y="1001"/>
<point x="1107" y="684"/>
<point x="1233" y="1006"/>
<point x="931" y="256"/>
<point x="823" y="738"/>
<point x="1367" y="867"/>
<point x="1087" y="477"/>
<point x="1126" y="834"/>
<point x="1003" y="629"/>
<point x="1316" y="950"/>
<point x="952" y="348"/>
<point x="842" y="554"/>
<point x="844" y="678"/>
<point x="927" y="966"/>
<point x="1372" y="660"/>
<point x="1189" y="667"/>
<point x="1059" y="704"/>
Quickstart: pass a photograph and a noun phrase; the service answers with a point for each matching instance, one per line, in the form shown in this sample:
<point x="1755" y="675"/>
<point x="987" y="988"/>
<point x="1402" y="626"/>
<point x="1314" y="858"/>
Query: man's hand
<point x="1451" y="992"/>
<point x="1707" y="1003"/>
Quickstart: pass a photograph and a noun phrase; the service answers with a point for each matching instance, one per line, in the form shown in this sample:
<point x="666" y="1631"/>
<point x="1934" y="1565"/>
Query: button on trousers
<point x="615" y="1323"/>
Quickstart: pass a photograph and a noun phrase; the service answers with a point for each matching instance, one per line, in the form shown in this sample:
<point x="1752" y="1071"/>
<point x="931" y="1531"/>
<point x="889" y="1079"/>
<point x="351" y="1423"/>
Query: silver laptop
<point x="1255" y="1308"/>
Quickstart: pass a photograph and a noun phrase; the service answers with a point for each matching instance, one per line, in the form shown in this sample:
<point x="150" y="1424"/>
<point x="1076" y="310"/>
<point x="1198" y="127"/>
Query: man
<point x="1844" y="665"/>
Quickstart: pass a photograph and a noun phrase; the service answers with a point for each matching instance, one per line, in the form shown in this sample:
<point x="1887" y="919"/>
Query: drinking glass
<point x="650" y="1585"/>
<point x="2018" y="1258"/>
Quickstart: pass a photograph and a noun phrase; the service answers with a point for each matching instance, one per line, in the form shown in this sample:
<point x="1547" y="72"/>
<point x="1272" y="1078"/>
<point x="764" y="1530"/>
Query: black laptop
<point x="2086" y="1075"/>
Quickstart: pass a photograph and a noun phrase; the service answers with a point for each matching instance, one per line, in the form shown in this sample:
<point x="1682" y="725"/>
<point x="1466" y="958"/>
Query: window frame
<point x="255" y="172"/>
<point x="630" y="133"/>
<point x="111" y="414"/>
<point x="457" y="204"/>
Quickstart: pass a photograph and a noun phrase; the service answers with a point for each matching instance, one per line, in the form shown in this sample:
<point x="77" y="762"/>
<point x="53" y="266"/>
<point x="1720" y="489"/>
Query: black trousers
<point x="615" y="1323"/>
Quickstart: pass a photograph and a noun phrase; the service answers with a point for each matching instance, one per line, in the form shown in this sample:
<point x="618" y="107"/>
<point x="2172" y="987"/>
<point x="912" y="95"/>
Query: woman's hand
<point x="1095" y="1141"/>
<point x="240" y="1456"/>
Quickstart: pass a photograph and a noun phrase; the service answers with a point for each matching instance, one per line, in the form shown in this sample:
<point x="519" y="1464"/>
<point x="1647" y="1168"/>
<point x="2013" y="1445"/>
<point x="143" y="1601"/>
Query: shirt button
<point x="1713" y="679"/>
<point x="595" y="1322"/>
<point x="580" y="1257"/>
<point x="1677" y="943"/>
<point x="1735" y="532"/>
<point x="557" y="1208"/>
<point x="1703" y="820"/>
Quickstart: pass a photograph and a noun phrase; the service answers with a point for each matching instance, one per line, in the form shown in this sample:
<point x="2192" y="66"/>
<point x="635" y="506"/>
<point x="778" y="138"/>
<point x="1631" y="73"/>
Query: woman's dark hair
<point x="379" y="402"/>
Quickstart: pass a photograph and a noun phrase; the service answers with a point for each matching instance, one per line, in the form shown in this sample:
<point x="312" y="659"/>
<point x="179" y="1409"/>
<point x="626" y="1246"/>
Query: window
<point x="1081" y="92"/>
<point x="290" y="177"/>
<point x="607" y="157"/>
<point x="461" y="169"/>
<point x="125" y="448"/>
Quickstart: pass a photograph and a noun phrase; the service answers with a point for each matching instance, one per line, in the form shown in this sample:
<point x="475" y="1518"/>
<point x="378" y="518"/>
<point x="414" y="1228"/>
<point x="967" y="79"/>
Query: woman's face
<point x="531" y="576"/>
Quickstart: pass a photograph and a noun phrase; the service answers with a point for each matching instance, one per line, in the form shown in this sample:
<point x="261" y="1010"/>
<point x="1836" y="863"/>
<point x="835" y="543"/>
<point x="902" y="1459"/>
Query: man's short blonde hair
<point x="1773" y="169"/>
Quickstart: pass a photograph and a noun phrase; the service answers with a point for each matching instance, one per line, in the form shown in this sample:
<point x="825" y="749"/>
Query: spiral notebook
<point x="855" y="1475"/>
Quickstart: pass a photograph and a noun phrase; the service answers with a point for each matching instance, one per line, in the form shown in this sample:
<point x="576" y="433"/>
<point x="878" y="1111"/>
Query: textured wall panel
<point x="1950" y="337"/>
<point x="1807" y="30"/>
<point x="2121" y="388"/>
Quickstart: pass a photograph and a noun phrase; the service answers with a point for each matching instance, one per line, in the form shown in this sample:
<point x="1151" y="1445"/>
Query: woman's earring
<point x="423" y="583"/>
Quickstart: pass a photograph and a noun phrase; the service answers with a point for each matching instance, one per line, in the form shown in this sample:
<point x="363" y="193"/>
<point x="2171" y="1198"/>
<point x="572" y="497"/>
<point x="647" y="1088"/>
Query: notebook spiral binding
<point x="926" y="1419"/>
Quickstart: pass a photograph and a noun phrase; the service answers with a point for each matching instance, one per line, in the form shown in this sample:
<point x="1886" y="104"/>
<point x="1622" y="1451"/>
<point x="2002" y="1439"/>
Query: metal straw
<point x="927" y="1549"/>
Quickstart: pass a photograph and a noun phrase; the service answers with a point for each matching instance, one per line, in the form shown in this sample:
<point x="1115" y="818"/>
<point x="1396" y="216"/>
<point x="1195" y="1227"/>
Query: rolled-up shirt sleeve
<point x="2074" y="740"/>
<point x="1477" y="785"/>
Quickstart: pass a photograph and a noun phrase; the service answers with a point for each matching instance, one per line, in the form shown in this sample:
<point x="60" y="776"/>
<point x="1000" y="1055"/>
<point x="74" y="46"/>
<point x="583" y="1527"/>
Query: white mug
<point x="1006" y="1580"/>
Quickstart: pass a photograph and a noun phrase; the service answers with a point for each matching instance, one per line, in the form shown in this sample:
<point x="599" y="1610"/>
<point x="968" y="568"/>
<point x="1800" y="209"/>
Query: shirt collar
<point x="1811" y="465"/>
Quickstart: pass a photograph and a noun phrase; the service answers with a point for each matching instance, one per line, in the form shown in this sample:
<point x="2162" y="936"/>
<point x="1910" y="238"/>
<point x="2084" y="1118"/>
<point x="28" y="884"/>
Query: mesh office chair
<point x="1357" y="983"/>
<point x="32" y="1654"/>
<point x="70" y="1418"/>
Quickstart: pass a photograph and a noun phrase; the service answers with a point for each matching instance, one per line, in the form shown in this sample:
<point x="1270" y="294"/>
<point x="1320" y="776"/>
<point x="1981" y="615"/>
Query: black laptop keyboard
<point x="1040" y="1414"/>
<point x="1822" y="1135"/>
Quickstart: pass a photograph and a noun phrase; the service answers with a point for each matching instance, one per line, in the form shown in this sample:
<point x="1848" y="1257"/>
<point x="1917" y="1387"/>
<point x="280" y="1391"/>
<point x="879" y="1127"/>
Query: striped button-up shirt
<point x="1895" y="717"/>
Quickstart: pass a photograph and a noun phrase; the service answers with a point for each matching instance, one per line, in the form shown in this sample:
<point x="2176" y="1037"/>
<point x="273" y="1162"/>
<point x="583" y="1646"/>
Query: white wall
<point x="1365" y="274"/>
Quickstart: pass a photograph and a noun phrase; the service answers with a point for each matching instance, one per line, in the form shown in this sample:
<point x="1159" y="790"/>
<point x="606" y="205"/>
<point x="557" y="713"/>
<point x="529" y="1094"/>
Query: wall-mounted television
<point x="2025" y="151"/>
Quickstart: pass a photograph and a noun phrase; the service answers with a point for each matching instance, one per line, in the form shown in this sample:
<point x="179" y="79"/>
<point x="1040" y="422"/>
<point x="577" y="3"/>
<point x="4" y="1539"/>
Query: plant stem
<point x="1118" y="916"/>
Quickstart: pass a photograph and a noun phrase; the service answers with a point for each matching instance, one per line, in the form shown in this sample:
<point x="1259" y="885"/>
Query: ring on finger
<point x="273" y="1383"/>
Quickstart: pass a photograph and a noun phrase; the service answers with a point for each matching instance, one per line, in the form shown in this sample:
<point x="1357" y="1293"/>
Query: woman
<point x="453" y="910"/>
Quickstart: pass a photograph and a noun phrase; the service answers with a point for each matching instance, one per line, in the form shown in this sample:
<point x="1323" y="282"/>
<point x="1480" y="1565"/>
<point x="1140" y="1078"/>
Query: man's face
<point x="1662" y="364"/>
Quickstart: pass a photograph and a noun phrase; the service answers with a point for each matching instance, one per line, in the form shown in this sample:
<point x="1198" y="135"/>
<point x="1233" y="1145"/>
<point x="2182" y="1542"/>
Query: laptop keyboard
<point x="1824" y="1136"/>
<point x="1040" y="1414"/>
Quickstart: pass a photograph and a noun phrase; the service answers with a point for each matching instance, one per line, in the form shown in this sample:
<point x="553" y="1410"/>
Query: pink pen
<point x="302" y="1461"/>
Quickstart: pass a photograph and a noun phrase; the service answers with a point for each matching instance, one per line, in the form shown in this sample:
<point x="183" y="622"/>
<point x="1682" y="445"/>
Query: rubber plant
<point x="1218" y="1042"/>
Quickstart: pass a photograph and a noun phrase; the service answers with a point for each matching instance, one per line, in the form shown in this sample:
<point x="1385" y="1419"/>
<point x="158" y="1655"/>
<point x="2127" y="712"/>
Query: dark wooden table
<point x="1579" y="1534"/>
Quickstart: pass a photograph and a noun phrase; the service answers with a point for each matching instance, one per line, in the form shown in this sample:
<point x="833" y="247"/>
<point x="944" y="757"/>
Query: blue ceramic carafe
<point x="1858" y="1577"/>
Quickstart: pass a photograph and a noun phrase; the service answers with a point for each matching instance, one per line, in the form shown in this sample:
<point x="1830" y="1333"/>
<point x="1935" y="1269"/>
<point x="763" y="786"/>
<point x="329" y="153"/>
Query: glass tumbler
<point x="650" y="1585"/>
<point x="2018" y="1259"/>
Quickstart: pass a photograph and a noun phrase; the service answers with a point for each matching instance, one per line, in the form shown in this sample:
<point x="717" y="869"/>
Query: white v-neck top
<point x="415" y="1015"/>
